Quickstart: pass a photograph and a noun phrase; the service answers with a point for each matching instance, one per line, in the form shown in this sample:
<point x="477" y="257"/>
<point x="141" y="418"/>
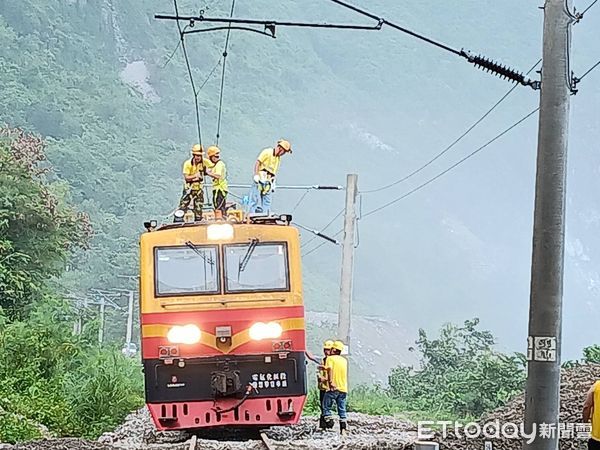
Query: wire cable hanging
<point x="459" y="162"/>
<point x="480" y="61"/>
<point x="223" y="73"/>
<point x="449" y="147"/>
<point x="189" y="69"/>
<point x="324" y="228"/>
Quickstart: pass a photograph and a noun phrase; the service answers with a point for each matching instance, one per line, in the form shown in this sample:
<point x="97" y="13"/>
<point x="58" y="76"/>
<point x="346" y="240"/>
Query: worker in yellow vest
<point x="337" y="379"/>
<point x="218" y="172"/>
<point x="591" y="413"/>
<point x="322" y="381"/>
<point x="193" y="174"/>
<point x="265" y="170"/>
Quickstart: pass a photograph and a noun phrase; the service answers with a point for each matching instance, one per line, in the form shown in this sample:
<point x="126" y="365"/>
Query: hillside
<point x="93" y="78"/>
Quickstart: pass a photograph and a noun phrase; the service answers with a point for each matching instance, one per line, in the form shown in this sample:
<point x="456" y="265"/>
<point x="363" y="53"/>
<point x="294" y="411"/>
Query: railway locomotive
<point x="222" y="322"/>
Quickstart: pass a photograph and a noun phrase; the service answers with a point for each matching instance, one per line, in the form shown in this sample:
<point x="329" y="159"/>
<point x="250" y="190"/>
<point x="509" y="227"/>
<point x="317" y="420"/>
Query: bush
<point x="14" y="429"/>
<point x="592" y="354"/>
<point x="51" y="377"/>
<point x="461" y="374"/>
<point x="102" y="390"/>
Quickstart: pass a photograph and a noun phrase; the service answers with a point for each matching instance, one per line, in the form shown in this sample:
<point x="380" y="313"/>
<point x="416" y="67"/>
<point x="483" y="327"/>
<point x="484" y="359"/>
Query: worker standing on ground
<point x="265" y="170"/>
<point x="337" y="378"/>
<point x="322" y="384"/>
<point x="193" y="174"/>
<point x="218" y="172"/>
<point x="591" y="413"/>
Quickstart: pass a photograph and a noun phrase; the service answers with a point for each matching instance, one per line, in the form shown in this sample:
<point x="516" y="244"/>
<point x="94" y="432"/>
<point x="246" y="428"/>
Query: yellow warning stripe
<point x="210" y="340"/>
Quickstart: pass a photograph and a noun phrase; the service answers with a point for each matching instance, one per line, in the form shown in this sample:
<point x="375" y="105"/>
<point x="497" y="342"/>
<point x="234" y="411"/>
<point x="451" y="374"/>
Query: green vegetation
<point x="592" y="354"/>
<point x="461" y="376"/>
<point x="51" y="380"/>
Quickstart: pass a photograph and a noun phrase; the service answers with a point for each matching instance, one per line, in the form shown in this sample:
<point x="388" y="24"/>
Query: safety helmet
<point x="338" y="345"/>
<point x="285" y="145"/>
<point x="197" y="149"/>
<point x="327" y="345"/>
<point x="212" y="150"/>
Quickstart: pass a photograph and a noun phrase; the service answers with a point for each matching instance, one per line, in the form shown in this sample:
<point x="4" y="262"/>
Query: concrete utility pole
<point x="542" y="400"/>
<point x="347" y="260"/>
<point x="129" y="319"/>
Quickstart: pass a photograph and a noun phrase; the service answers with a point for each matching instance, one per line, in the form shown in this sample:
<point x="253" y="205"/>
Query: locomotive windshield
<point x="186" y="270"/>
<point x="256" y="267"/>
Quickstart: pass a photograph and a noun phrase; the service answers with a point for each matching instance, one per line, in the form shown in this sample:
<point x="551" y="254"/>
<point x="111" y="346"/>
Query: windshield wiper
<point x="191" y="245"/>
<point x="247" y="256"/>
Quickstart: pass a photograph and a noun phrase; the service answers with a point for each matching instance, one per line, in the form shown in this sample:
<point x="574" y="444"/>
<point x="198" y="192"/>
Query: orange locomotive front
<point x="222" y="318"/>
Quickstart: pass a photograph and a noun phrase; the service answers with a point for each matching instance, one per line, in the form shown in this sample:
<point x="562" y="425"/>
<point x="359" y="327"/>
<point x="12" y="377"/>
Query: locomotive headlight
<point x="219" y="231"/>
<point x="186" y="334"/>
<point x="260" y="331"/>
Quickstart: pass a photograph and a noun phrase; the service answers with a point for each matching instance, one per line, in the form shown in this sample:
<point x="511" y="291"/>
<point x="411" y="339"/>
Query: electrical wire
<point x="321" y="244"/>
<point x="398" y="27"/>
<point x="210" y="74"/>
<point x="299" y="201"/>
<point x="587" y="72"/>
<point x="325" y="227"/>
<point x="580" y="15"/>
<point x="189" y="69"/>
<point x="223" y="73"/>
<point x="174" y="50"/>
<point x="456" y="141"/>
<point x="439" y="175"/>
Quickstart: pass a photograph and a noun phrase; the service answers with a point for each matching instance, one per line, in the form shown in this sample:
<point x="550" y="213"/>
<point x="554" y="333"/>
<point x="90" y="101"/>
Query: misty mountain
<point x="95" y="79"/>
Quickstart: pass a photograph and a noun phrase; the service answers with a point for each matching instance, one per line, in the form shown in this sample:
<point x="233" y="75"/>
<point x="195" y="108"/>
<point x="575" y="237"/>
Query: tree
<point x="38" y="226"/>
<point x="460" y="373"/>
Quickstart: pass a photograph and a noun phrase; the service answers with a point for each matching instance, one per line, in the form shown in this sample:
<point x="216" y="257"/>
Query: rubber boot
<point x="322" y="423"/>
<point x="343" y="427"/>
<point x="329" y="423"/>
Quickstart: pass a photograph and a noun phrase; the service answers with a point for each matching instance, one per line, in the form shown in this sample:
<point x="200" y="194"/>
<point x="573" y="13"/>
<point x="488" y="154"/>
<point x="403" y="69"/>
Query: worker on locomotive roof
<point x="217" y="170"/>
<point x="193" y="174"/>
<point x="265" y="170"/>
<point x="337" y="377"/>
<point x="591" y="413"/>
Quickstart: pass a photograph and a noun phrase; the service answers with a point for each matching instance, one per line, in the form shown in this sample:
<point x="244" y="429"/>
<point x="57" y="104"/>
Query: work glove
<point x="256" y="179"/>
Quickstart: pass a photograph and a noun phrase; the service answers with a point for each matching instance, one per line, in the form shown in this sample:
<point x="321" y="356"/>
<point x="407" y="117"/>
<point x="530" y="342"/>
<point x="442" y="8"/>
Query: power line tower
<point x="345" y="311"/>
<point x="542" y="399"/>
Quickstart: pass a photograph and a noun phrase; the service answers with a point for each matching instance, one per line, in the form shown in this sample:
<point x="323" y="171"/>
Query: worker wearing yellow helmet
<point x="218" y="172"/>
<point x="322" y="381"/>
<point x="265" y="170"/>
<point x="193" y="174"/>
<point x="337" y="377"/>
<point x="322" y="377"/>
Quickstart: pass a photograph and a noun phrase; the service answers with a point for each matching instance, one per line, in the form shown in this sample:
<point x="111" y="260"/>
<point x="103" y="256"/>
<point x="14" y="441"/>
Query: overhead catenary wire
<point x="189" y="69"/>
<point x="459" y="162"/>
<point x="477" y="60"/>
<point x="580" y="15"/>
<point x="325" y="227"/>
<point x="299" y="201"/>
<point x="578" y="79"/>
<point x="223" y="73"/>
<point x="317" y="233"/>
<point x="451" y="145"/>
<point x="321" y="244"/>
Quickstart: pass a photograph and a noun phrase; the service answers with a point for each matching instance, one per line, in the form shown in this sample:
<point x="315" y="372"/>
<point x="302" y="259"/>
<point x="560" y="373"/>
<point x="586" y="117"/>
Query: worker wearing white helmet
<point x="265" y="170"/>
